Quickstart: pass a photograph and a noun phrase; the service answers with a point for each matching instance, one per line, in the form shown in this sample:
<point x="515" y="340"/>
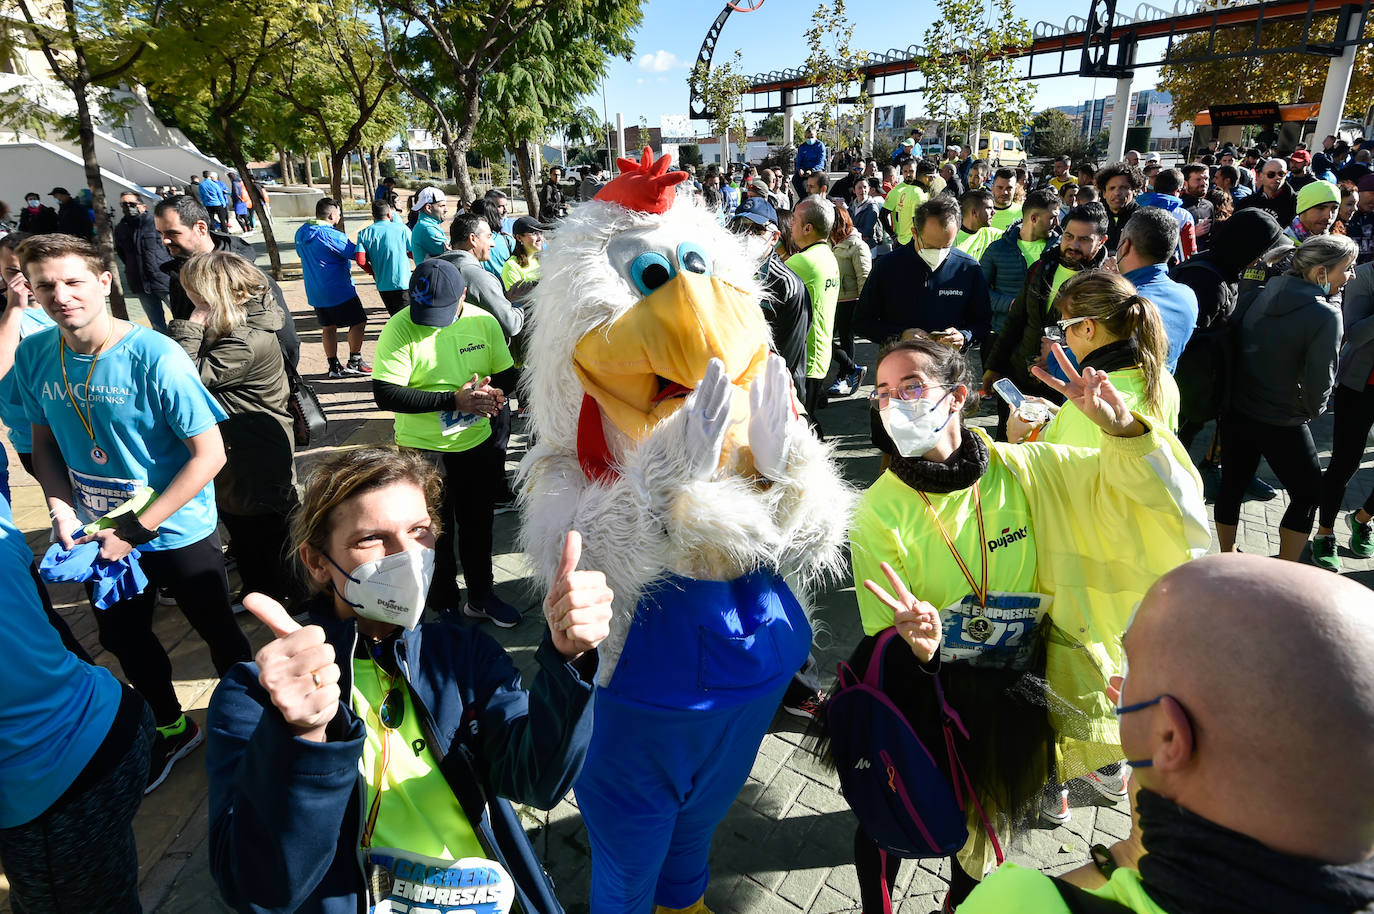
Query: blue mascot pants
<point x="677" y="730"/>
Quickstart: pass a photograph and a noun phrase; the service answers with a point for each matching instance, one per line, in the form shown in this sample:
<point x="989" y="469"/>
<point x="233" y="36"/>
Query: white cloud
<point x="639" y="81"/>
<point x="659" y="62"/>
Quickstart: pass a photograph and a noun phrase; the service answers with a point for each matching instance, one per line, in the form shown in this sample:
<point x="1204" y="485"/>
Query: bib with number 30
<point x="1004" y="635"/>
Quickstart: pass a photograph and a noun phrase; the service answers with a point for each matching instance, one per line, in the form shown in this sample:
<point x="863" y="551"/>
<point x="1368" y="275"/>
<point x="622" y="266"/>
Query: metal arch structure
<point x="697" y="109"/>
<point x="1083" y="46"/>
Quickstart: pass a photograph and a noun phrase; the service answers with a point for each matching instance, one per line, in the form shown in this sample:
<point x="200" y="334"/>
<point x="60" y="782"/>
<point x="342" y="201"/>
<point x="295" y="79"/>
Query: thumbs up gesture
<point x="297" y="669"/>
<point x="578" y="606"/>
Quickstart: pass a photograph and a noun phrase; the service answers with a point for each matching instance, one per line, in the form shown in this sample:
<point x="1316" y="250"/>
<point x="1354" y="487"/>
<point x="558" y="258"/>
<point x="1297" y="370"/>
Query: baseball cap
<point x="1317" y="193"/>
<point x="758" y="186"/>
<point x="756" y="210"/>
<point x="908" y="142"/>
<point x="426" y="197"/>
<point x="436" y="287"/>
<point x="1152" y="157"/>
<point x="1300" y="155"/>
<point x="525" y="225"/>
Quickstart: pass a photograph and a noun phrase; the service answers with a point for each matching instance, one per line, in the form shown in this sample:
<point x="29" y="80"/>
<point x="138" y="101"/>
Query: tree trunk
<point x="376" y="166"/>
<point x="336" y="174"/>
<point x="235" y="148"/>
<point x="104" y="228"/>
<point x="458" y="168"/>
<point x="309" y="178"/>
<point x="369" y="185"/>
<point x="283" y="162"/>
<point x="524" y="163"/>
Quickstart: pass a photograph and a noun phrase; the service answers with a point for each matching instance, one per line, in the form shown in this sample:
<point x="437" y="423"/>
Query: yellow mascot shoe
<point x="698" y="907"/>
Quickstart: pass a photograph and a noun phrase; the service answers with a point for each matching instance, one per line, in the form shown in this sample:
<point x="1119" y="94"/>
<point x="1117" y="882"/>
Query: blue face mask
<point x="1130" y="709"/>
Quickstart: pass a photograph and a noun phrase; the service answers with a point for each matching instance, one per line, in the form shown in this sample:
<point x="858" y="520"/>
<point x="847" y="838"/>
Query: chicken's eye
<point x="651" y="270"/>
<point x="694" y="258"/>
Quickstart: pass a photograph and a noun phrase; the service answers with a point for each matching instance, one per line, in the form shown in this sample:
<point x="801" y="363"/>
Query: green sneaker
<point x="1324" y="553"/>
<point x="1361" y="537"/>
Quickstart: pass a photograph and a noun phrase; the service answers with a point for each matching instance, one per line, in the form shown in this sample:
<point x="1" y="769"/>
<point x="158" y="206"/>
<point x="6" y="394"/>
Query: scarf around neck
<point x="963" y="468"/>
<point x="1194" y="866"/>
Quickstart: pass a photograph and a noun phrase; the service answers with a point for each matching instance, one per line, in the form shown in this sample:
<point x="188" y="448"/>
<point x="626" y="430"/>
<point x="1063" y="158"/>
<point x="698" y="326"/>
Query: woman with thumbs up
<point x="368" y="738"/>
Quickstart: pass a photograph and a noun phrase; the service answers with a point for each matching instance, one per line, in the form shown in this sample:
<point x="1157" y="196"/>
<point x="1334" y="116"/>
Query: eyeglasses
<point x="1068" y="322"/>
<point x="1275" y="174"/>
<point x="880" y="397"/>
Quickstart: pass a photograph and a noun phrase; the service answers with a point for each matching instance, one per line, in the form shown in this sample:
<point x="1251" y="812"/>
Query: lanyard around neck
<point x="85" y="417"/>
<point x="981" y="592"/>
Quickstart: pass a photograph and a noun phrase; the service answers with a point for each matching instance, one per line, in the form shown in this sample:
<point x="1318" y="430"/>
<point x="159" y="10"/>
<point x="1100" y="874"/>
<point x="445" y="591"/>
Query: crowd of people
<point x="1113" y="312"/>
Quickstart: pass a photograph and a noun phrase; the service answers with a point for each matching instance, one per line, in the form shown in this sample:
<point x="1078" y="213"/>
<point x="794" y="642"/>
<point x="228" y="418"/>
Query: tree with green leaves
<point x="89" y="44"/>
<point x="215" y="64"/>
<point x="835" y="68"/>
<point x="771" y="128"/>
<point x="720" y="88"/>
<point x="445" y="51"/>
<point x="1282" y="78"/>
<point x="969" y="79"/>
<point x="338" y="80"/>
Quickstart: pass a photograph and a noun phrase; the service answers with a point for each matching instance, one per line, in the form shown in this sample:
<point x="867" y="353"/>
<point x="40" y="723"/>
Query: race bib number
<point x="451" y="422"/>
<point x="402" y="882"/>
<point x="95" y="496"/>
<point x="1002" y="636"/>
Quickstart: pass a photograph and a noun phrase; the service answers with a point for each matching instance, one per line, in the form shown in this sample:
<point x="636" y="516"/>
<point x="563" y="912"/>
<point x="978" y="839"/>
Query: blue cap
<point x="757" y="211"/>
<point x="436" y="287"/>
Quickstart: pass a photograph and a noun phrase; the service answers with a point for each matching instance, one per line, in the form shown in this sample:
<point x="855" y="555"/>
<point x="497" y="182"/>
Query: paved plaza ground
<point x="786" y="845"/>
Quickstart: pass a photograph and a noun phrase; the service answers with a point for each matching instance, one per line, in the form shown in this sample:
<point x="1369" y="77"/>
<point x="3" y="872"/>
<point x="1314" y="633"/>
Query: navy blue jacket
<point x="1005" y="268"/>
<point x="286" y="814"/>
<point x="902" y="293"/>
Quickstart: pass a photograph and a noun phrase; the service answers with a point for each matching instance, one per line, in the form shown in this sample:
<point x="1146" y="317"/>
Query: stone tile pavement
<point x="785" y="846"/>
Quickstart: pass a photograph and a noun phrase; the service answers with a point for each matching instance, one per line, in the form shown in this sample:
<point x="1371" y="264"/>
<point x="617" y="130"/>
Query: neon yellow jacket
<point x="1014" y="890"/>
<point x="1070" y="426"/>
<point x="1143" y="490"/>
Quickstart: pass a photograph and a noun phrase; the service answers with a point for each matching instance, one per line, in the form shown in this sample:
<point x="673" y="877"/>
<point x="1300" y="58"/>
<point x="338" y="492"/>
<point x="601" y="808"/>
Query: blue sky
<point x="655" y="83"/>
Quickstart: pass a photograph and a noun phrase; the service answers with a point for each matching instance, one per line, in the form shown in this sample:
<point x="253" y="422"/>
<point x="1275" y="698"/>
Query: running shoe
<point x="1361" y="537"/>
<point x="1324" y="553"/>
<point x="807" y="708"/>
<point x="356" y="365"/>
<point x="1054" y="808"/>
<point x="856" y="378"/>
<point x="168" y="750"/>
<point x="836" y="388"/>
<point x="493" y="608"/>
<point x="1110" y="782"/>
<point x="336" y="370"/>
<point x="1260" y="490"/>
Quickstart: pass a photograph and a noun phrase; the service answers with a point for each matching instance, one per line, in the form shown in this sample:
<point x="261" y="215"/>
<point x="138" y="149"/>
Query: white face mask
<point x="914" y="425"/>
<point x="934" y="256"/>
<point x="391" y="589"/>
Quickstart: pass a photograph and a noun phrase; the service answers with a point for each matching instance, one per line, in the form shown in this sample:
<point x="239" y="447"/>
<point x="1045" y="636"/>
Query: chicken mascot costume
<point x="668" y="435"/>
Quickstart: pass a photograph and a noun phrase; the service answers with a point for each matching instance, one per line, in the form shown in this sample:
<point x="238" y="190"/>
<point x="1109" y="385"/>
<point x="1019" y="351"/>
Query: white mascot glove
<point x="770" y="417"/>
<point x="708" y="417"/>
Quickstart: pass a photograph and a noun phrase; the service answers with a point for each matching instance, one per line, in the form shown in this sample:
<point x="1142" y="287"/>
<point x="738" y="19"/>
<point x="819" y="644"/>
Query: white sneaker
<point x="1054" y="808"/>
<point x="1110" y="783"/>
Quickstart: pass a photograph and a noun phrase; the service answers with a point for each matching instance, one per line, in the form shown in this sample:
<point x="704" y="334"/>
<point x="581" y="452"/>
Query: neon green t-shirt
<point x="1014" y="890"/>
<point x="1031" y="250"/>
<point x="419" y="812"/>
<point x="1061" y="273"/>
<point x="819" y="269"/>
<point x="902" y="201"/>
<point x="975" y="243"/>
<point x="1003" y="218"/>
<point x="1070" y="426"/>
<point x="893" y="525"/>
<point x="441" y="359"/>
<point x="512" y="272"/>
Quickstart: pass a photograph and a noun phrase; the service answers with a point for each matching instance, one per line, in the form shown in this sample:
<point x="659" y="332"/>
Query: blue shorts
<point x="345" y="314"/>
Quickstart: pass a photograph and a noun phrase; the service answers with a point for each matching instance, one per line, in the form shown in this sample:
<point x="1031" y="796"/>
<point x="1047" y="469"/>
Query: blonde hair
<point x="1113" y="302"/>
<point x="227" y="283"/>
<point x="348" y="474"/>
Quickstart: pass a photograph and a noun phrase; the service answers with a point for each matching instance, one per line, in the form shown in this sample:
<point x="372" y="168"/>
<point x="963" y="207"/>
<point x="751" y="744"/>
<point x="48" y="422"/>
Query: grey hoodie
<point x="1289" y="339"/>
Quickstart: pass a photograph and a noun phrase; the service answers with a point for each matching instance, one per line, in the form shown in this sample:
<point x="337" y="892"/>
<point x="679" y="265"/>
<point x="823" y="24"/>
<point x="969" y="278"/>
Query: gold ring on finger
<point x="315" y="678"/>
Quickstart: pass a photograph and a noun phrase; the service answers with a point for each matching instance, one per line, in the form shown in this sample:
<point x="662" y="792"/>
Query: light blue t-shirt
<point x="11" y="404"/>
<point x="388" y="246"/>
<point x="57" y="709"/>
<point x="502" y="246"/>
<point x="427" y="239"/>
<point x="145" y="399"/>
<point x="326" y="262"/>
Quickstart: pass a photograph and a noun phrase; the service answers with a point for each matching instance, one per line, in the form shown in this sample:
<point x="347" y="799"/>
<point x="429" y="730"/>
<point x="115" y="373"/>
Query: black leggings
<point x="815" y="401"/>
<point x="868" y="863"/>
<point x="472" y="481"/>
<point x="1291" y="454"/>
<point x="1354" y="417"/>
<point x="260" y="546"/>
<point x="195" y="576"/>
<point x="842" y="348"/>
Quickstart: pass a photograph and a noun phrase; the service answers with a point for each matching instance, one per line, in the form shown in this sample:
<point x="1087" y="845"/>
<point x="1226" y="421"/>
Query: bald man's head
<point x="1269" y="727"/>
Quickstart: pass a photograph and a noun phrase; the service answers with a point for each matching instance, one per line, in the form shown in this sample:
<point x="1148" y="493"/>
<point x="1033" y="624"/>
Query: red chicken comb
<point x="645" y="186"/>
